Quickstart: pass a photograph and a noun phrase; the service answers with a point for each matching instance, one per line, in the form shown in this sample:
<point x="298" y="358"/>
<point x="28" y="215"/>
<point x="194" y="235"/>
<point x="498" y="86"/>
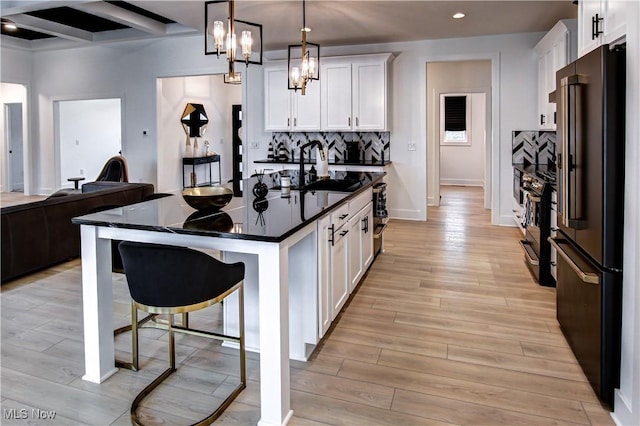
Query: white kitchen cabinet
<point x="355" y="250"/>
<point x="288" y="110"/>
<point x="354" y="93"/>
<point x="555" y="50"/>
<point x="345" y="251"/>
<point x="600" y="22"/>
<point x="335" y="96"/>
<point x="339" y="270"/>
<point x="325" y="311"/>
<point x="360" y="244"/>
<point x="367" y="237"/>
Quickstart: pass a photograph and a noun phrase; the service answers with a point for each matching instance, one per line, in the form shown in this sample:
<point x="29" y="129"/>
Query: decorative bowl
<point x="207" y="197"/>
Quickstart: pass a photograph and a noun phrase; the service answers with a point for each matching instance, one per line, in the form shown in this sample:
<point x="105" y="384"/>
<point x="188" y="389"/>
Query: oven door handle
<point x="586" y="277"/>
<point x="530" y="259"/>
<point x="377" y="233"/>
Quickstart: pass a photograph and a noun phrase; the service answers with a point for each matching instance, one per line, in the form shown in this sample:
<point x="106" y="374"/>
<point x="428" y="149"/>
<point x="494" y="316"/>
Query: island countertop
<point x="272" y="218"/>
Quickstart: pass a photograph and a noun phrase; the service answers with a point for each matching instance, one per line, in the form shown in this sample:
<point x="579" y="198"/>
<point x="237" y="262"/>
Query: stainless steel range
<point x="537" y="217"/>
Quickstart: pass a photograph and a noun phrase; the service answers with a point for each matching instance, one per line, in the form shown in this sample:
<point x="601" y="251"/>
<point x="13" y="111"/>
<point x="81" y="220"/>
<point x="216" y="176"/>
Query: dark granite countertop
<point x="376" y="163"/>
<point x="272" y="218"/>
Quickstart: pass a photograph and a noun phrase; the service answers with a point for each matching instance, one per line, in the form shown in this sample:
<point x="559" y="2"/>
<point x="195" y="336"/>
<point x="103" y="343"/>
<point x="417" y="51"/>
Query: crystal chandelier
<point x="304" y="60"/>
<point x="220" y="38"/>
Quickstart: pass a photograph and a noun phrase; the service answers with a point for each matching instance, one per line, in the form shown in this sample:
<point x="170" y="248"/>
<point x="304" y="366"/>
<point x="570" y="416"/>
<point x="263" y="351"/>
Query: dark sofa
<point x="40" y="234"/>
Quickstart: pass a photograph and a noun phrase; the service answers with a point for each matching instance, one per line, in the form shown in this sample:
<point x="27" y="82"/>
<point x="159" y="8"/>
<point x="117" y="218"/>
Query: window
<point x="454" y="119"/>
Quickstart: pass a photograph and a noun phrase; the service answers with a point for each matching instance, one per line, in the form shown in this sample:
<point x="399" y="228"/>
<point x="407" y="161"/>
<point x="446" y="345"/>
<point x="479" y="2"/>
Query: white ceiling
<point x="345" y="22"/>
<point x="333" y="22"/>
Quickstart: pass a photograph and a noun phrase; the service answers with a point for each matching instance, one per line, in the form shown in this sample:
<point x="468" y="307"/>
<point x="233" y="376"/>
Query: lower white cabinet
<point x="325" y="311"/>
<point x="339" y="270"/>
<point x="345" y="251"/>
<point x="360" y="244"/>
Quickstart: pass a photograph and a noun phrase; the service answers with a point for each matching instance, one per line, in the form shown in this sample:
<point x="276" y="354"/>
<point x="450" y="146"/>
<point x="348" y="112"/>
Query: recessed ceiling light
<point x="458" y="15"/>
<point x="9" y="24"/>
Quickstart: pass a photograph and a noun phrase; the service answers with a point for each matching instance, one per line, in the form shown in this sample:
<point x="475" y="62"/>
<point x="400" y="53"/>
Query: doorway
<point x="14" y="146"/>
<point x="15" y="139"/>
<point x="462" y="151"/>
<point x="467" y="77"/>
<point x="87" y="133"/>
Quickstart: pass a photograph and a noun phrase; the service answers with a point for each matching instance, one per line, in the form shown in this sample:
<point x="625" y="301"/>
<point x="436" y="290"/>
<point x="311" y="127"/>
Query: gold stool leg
<point x="134" y="336"/>
<point x="243" y="367"/>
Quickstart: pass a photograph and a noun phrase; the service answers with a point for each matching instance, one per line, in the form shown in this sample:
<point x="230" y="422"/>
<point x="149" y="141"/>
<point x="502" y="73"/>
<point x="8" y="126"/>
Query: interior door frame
<point x="56" y="124"/>
<point x="27" y="170"/>
<point x="437" y="132"/>
<point x="492" y="161"/>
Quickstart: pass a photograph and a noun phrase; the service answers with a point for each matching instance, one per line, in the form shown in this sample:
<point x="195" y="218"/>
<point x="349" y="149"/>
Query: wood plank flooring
<point x="14" y="198"/>
<point x="448" y="327"/>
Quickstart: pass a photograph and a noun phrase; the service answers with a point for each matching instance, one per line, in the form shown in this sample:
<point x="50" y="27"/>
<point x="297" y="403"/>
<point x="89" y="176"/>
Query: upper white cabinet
<point x="600" y="22"/>
<point x="556" y="49"/>
<point x="354" y="93"/>
<point x="288" y="110"/>
<point x="351" y="95"/>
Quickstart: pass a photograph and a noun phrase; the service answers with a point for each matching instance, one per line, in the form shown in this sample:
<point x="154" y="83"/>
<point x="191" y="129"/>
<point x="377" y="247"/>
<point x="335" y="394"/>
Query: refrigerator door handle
<point x="570" y="159"/>
<point x="586" y="277"/>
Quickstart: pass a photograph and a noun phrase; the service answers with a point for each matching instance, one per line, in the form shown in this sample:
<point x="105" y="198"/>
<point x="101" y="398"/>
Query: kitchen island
<point x="278" y="229"/>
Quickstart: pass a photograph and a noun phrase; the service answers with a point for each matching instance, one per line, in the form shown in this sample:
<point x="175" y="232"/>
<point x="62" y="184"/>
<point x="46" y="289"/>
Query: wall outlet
<point x="81" y="172"/>
<point x="411" y="146"/>
<point x="77" y="142"/>
<point x="255" y="145"/>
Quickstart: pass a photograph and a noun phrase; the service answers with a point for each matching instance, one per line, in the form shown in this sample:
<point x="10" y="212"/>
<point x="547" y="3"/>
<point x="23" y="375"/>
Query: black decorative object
<point x="194" y="120"/>
<point x="260" y="189"/>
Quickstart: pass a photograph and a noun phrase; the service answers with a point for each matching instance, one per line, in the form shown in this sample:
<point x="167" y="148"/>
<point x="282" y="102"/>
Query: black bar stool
<point x="176" y="280"/>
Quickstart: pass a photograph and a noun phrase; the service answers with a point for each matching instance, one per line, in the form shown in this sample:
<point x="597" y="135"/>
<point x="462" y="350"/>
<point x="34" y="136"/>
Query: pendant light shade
<point x="303" y="60"/>
<point x="221" y="29"/>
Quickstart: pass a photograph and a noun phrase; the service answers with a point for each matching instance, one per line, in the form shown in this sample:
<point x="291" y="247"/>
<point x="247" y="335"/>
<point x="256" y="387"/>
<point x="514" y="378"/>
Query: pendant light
<point x="303" y="60"/>
<point x="220" y="39"/>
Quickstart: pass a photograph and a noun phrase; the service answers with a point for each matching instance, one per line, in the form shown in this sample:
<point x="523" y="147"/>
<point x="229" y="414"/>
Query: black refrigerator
<point x="591" y="135"/>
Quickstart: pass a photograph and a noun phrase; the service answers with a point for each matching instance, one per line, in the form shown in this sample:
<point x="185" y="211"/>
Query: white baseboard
<point x="623" y="413"/>
<point x="506" y="220"/>
<point x="45" y="191"/>
<point x="407" y="214"/>
<point x="462" y="182"/>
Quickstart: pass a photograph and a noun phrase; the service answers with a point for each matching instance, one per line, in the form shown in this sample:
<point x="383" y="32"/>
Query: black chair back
<point x="169" y="276"/>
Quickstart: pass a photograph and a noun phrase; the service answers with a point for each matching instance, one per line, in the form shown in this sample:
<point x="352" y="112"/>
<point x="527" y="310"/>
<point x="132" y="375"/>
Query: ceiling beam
<point x="122" y="16"/>
<point x="52" y="28"/>
<point x="15" y="7"/>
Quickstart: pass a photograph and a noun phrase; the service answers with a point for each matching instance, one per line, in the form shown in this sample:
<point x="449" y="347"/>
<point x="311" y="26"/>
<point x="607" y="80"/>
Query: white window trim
<point x="454" y="142"/>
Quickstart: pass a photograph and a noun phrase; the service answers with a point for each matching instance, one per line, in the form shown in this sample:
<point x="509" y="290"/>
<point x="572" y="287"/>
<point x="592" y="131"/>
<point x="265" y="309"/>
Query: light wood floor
<point x="447" y="328"/>
<point x="14" y="198"/>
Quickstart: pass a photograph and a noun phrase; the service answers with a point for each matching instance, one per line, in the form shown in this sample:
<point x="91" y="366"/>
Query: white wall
<point x="89" y="134"/>
<point x="217" y="98"/>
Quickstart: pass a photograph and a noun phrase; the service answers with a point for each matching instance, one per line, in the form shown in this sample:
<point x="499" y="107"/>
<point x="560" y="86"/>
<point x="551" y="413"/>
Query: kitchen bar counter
<point x="376" y="163"/>
<point x="273" y="229"/>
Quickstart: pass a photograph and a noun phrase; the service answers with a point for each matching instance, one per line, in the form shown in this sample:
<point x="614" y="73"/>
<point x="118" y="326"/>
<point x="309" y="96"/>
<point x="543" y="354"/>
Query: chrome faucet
<point x="318" y="144"/>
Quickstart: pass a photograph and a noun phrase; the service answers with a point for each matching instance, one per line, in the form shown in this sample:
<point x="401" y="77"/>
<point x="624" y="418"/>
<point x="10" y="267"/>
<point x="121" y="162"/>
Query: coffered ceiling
<point x="58" y="24"/>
